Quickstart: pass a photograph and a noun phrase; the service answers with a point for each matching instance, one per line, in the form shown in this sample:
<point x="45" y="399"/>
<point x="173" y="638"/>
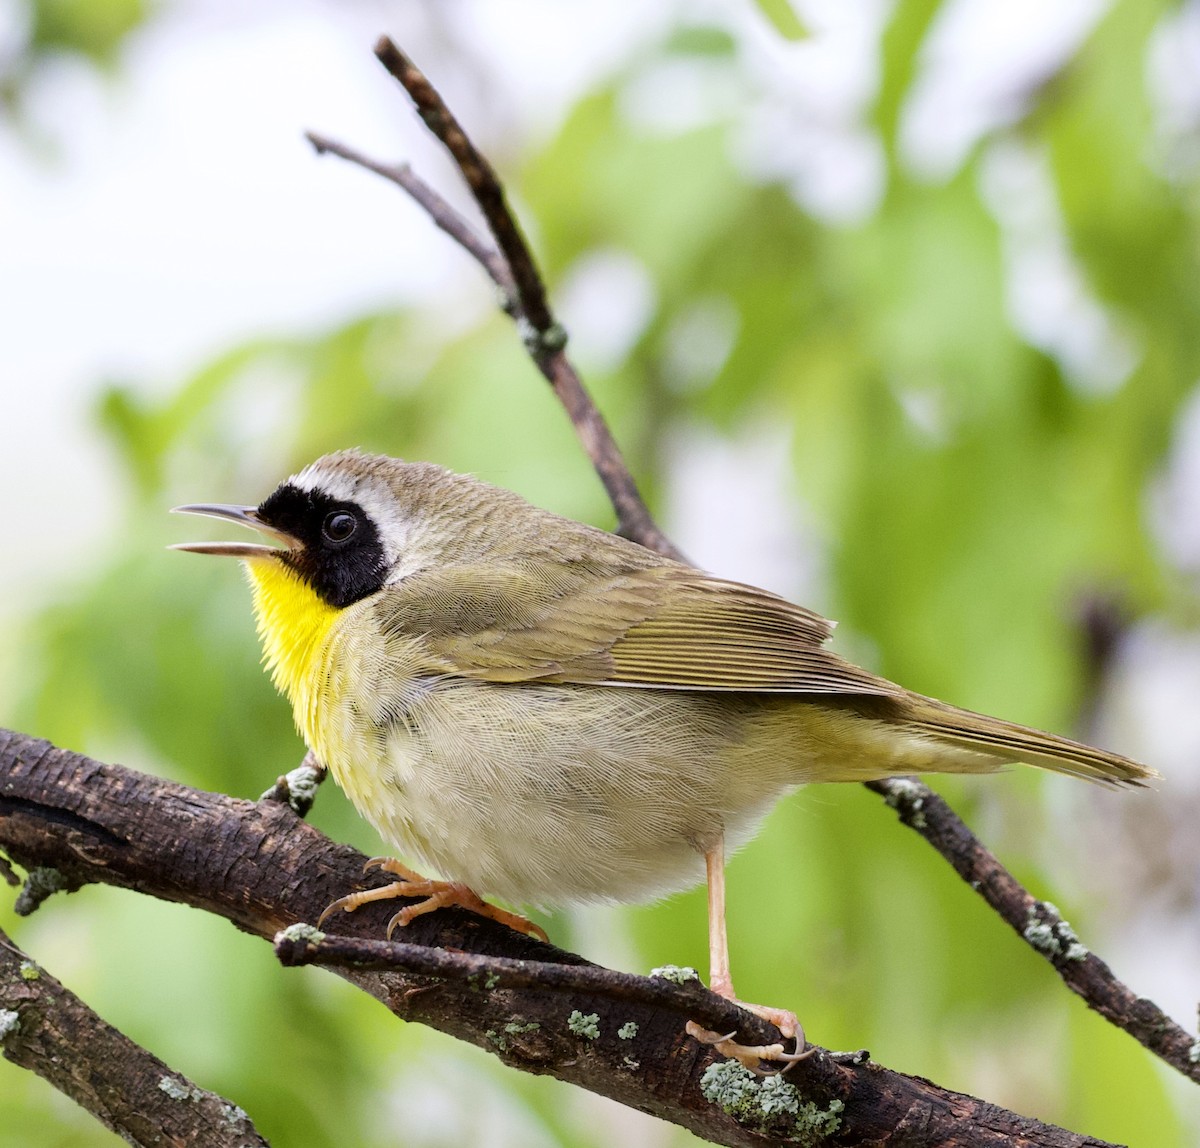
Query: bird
<point x="540" y="711"/>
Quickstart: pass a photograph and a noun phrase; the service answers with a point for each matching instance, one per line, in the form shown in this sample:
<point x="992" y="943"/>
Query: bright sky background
<point x="168" y="214"/>
<point x="151" y="220"/>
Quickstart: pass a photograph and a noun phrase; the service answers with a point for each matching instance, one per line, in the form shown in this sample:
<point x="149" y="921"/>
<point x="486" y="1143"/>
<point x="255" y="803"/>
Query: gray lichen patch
<point x="501" y="1040"/>
<point x="39" y="884"/>
<point x="814" y="1124"/>
<point x="585" y="1025"/>
<point x="306" y="934"/>
<point x="513" y="1028"/>
<point x="628" y="1030"/>
<point x="302" y="783"/>
<point x="1047" y="932"/>
<point x="490" y="981"/>
<point x="234" y="1115"/>
<point x="770" y="1104"/>
<point x="908" y="799"/>
<point x="676" y="974"/>
<point x="10" y="1023"/>
<point x="177" y="1090"/>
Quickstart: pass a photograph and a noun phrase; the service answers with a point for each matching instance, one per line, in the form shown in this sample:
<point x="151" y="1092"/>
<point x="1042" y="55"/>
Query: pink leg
<point x="721" y="983"/>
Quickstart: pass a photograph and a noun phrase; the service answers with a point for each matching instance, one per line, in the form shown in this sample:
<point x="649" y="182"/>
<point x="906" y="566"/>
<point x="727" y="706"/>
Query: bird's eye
<point x="338" y="526"/>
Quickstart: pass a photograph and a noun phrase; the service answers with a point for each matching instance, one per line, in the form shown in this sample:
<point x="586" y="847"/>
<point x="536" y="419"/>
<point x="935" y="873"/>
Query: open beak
<point x="244" y="516"/>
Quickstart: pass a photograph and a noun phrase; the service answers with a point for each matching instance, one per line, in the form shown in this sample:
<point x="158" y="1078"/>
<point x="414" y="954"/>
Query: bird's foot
<point x="434" y="894"/>
<point x="750" y="1055"/>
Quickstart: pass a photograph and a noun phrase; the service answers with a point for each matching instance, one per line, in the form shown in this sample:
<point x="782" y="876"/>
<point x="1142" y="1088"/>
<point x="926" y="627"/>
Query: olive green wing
<point x="517" y="622"/>
<point x="715" y="635"/>
<point x="665" y="626"/>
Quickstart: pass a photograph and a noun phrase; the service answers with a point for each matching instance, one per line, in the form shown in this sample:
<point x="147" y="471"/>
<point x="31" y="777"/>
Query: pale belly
<point x="547" y="795"/>
<point x="557" y="794"/>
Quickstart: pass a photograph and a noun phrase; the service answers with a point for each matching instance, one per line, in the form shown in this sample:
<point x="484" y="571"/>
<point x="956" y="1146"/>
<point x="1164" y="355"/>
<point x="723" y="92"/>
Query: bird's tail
<point x="1004" y="741"/>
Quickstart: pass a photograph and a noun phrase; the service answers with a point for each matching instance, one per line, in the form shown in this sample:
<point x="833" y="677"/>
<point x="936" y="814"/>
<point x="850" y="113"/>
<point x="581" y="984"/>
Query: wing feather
<point x="663" y="626"/>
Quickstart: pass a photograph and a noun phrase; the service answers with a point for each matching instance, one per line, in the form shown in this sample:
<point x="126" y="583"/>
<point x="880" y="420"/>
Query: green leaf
<point x="699" y="40"/>
<point x="781" y="15"/>
<point x="93" y="28"/>
<point x="903" y="39"/>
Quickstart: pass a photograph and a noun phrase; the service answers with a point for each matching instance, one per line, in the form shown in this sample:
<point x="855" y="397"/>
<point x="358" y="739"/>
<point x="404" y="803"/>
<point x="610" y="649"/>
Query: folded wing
<point x="664" y="626"/>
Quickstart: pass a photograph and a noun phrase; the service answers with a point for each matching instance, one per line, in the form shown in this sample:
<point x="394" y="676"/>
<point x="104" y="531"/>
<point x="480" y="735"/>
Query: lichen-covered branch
<point x="262" y="868"/>
<point x="1039" y="924"/>
<point x="49" y="1030"/>
<point x="671" y="988"/>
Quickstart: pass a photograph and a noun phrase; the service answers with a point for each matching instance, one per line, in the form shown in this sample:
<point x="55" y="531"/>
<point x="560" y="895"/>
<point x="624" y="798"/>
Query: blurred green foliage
<point x="962" y="541"/>
<point x="92" y="29"/>
<point x="781" y="15"/>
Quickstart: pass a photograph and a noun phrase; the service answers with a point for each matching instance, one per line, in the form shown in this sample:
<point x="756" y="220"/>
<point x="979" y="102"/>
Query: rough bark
<point x="46" y="1028"/>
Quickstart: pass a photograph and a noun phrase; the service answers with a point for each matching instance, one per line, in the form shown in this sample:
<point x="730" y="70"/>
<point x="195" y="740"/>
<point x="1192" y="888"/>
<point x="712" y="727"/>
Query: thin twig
<point x="522" y="291"/>
<point x="1039" y="924"/>
<point x="678" y="991"/>
<point x="438" y="210"/>
<point x="485" y="187"/>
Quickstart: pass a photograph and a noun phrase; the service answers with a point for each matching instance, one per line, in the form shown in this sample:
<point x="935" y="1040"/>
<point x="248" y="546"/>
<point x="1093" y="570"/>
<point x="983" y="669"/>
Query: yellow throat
<point x="293" y="624"/>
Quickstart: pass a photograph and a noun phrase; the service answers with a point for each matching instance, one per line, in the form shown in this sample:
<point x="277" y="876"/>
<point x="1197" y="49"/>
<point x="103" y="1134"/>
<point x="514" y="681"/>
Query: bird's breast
<point x="294" y="626"/>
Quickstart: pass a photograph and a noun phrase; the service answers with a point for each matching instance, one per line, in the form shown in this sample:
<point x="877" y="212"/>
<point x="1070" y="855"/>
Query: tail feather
<point x="1005" y="741"/>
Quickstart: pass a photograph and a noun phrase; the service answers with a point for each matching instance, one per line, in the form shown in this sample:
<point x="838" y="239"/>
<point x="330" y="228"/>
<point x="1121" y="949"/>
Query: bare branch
<point x="49" y="1030"/>
<point x="481" y="179"/>
<point x="261" y="867"/>
<point x="674" y="990"/>
<point x="1039" y="924"/>
<point x="437" y="208"/>
<point x="515" y="272"/>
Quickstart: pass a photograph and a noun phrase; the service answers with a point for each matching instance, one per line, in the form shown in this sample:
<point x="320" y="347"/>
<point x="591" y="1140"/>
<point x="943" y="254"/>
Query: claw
<point x="750" y="1055"/>
<point x="434" y="895"/>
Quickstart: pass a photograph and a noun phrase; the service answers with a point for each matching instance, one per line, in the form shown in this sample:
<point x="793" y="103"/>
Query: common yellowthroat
<point x="550" y="714"/>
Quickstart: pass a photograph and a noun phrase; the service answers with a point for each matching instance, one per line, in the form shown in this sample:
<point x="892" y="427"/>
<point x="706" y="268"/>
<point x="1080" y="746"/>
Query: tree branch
<point x="49" y="1030"/>
<point x="438" y="209"/>
<point x="1039" y="924"/>
<point x="672" y="989"/>
<point x="259" y="866"/>
<point x="514" y="271"/>
<point x="485" y="187"/>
